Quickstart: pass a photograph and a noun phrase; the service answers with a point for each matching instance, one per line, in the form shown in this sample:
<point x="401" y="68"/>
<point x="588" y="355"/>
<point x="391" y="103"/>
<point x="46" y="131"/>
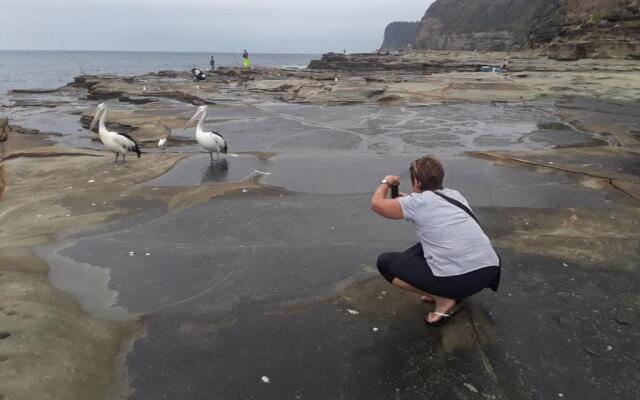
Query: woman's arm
<point x="388" y="208"/>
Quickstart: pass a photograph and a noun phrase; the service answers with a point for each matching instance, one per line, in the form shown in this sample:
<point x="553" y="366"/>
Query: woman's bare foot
<point x="443" y="306"/>
<point x="427" y="299"/>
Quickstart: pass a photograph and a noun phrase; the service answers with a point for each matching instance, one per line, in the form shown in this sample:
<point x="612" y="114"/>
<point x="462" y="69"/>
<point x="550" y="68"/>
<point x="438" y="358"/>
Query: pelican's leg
<point x="116" y="161"/>
<point x="123" y="159"/>
<point x="211" y="156"/>
<point x="217" y="155"/>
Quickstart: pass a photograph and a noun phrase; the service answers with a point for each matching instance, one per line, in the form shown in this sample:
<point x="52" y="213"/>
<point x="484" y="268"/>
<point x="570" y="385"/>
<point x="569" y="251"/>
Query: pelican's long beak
<point x="95" y="119"/>
<point x="196" y="115"/>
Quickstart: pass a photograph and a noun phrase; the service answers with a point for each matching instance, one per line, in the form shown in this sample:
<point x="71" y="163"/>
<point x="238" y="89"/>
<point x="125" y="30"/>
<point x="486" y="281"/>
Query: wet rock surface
<point x="253" y="276"/>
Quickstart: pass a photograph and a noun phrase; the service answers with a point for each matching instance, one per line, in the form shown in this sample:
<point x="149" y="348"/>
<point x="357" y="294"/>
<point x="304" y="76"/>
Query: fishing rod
<point x="233" y="54"/>
<point x="73" y="58"/>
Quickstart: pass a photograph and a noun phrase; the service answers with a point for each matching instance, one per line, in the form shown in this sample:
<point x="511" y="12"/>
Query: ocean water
<point x="51" y="69"/>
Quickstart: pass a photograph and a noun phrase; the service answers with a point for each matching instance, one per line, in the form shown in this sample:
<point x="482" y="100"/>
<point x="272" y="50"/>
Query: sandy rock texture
<point x="62" y="188"/>
<point x="55" y="348"/>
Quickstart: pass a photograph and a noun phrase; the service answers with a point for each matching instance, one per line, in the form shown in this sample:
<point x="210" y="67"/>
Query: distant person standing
<point x="212" y="62"/>
<point x="505" y="65"/>
<point x="245" y="59"/>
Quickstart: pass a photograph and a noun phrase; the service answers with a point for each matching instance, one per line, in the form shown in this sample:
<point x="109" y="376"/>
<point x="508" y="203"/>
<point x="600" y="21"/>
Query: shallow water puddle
<point x="200" y="170"/>
<point x="482" y="182"/>
<point x="88" y="283"/>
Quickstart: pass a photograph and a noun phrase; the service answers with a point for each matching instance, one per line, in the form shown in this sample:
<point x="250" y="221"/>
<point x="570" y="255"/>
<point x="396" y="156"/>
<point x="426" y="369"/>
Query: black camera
<point x="394" y="191"/>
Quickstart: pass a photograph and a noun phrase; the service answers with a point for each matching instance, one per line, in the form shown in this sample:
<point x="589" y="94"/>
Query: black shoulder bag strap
<point x="466" y="209"/>
<point x="458" y="204"/>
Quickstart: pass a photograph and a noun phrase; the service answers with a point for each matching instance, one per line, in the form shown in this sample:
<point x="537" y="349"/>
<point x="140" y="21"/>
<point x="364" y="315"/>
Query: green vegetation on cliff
<point x="467" y="16"/>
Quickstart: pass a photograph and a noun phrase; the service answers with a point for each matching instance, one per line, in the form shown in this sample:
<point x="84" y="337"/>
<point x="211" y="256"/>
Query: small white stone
<point x="560" y="395"/>
<point x="93" y="204"/>
<point x="39" y="215"/>
<point x="244" y="190"/>
<point x="375" y="329"/>
<point x="353" y="312"/>
<point x="609" y="348"/>
<point x="564" y="264"/>
<point x="91" y="180"/>
<point x="265" y="379"/>
<point x="470" y="387"/>
<point x="147" y="254"/>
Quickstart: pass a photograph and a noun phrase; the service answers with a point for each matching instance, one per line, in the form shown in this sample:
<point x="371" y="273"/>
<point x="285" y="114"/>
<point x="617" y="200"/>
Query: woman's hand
<point x="388" y="208"/>
<point x="392" y="180"/>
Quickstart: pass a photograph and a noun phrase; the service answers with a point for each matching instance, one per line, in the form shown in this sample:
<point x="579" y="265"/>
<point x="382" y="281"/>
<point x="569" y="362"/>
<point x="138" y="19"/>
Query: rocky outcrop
<point x="485" y="25"/>
<point x="564" y="29"/>
<point x="406" y="61"/>
<point x="399" y="35"/>
<point x="4" y="129"/>
<point x="572" y="29"/>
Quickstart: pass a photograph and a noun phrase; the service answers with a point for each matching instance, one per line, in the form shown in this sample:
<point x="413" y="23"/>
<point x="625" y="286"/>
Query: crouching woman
<point x="453" y="260"/>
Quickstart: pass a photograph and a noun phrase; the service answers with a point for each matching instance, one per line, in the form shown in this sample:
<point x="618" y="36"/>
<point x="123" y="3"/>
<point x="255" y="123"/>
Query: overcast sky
<point x="264" y="26"/>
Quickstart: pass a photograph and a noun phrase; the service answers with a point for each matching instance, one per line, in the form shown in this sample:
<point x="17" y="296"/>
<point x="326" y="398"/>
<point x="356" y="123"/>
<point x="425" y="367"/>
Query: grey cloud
<point x="189" y="25"/>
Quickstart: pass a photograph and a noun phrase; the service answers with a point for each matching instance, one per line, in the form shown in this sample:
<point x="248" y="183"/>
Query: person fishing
<point x="454" y="258"/>
<point x="212" y="63"/>
<point x="245" y="59"/>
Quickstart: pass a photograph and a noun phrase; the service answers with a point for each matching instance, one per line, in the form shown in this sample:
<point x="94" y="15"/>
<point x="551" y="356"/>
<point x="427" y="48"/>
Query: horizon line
<point x="164" y="51"/>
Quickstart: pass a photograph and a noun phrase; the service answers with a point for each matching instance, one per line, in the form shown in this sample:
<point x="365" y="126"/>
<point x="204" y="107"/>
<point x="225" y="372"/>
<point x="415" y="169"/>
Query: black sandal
<point x="445" y="317"/>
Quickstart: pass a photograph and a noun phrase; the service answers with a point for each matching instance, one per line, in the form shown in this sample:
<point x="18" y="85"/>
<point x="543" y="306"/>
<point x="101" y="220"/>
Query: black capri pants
<point x="411" y="267"/>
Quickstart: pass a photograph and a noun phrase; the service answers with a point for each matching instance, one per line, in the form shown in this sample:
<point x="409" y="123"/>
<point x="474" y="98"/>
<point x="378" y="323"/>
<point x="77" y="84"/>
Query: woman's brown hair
<point x="428" y="171"/>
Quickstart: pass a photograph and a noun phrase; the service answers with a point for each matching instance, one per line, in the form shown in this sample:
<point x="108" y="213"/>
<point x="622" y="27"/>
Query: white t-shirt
<point x="452" y="241"/>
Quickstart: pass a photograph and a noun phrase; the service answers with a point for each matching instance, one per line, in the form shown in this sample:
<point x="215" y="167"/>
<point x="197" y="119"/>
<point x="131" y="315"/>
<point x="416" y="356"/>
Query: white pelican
<point x="119" y="143"/>
<point x="211" y="141"/>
